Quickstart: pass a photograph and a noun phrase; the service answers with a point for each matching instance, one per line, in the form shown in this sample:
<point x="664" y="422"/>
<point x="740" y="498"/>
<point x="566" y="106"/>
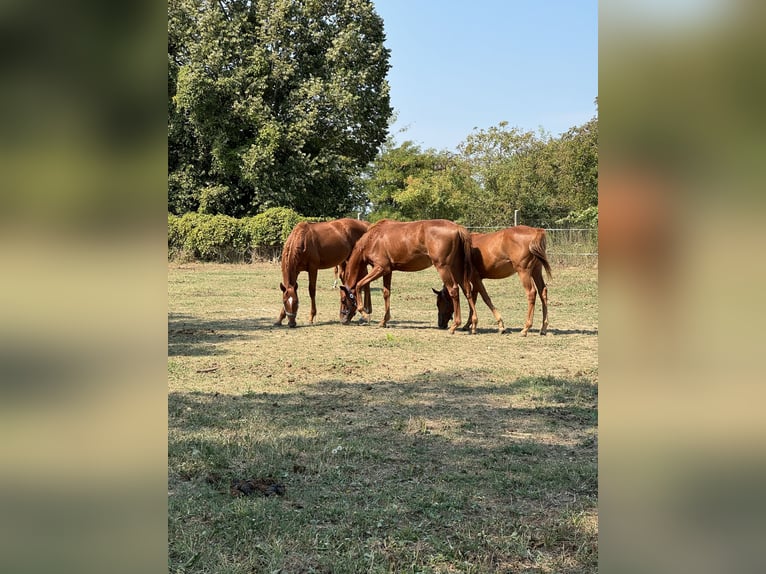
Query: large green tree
<point x="552" y="181"/>
<point x="576" y="155"/>
<point x="273" y="103"/>
<point x="514" y="171"/>
<point x="408" y="183"/>
<point x="545" y="178"/>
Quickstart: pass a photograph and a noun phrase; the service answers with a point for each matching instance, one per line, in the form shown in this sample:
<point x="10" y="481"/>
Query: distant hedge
<point x="224" y="239"/>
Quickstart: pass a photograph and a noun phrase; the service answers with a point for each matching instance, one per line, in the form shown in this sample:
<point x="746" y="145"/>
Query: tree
<point x="273" y="103"/>
<point x="407" y="183"/>
<point x="545" y="177"/>
<point x="514" y="171"/>
<point x="577" y="158"/>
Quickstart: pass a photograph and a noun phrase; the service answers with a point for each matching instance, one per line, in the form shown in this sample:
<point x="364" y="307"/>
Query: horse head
<point x="348" y="304"/>
<point x="290" y="302"/>
<point x="444" y="306"/>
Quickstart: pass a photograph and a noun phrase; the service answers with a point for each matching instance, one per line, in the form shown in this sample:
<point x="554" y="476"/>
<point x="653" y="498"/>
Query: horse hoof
<point x="523" y="333"/>
<point x="291" y="325"/>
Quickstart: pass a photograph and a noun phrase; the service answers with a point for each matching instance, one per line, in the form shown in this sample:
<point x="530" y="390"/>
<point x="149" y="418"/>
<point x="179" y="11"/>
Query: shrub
<point x="219" y="238"/>
<point x="587" y="217"/>
<point x="225" y="239"/>
<point x="271" y="228"/>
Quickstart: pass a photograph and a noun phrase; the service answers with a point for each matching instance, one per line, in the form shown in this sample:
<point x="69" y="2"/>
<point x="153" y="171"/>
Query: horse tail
<point x="537" y="249"/>
<point x="465" y="239"/>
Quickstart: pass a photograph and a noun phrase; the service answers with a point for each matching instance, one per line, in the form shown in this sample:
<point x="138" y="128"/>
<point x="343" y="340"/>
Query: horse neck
<point x="357" y="229"/>
<point x="290" y="262"/>
<point x="289" y="273"/>
<point x="354" y="266"/>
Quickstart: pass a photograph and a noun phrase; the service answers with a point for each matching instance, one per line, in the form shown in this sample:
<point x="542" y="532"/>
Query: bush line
<point x="225" y="239"/>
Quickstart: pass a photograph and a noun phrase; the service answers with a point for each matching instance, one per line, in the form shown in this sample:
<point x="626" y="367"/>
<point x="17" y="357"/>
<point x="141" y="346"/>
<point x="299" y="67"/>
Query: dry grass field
<point x="402" y="449"/>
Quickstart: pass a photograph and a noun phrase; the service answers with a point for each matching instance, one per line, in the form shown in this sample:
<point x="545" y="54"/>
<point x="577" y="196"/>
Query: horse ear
<point x="435" y="291"/>
<point x="345" y="289"/>
<point x="282" y="287"/>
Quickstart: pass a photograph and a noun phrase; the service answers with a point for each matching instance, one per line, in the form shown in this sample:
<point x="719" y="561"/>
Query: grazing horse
<point x="498" y="255"/>
<point x="310" y="247"/>
<point x="413" y="246"/>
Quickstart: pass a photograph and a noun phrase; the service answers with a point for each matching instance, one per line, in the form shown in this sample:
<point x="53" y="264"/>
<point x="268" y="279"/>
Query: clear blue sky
<point x="457" y="65"/>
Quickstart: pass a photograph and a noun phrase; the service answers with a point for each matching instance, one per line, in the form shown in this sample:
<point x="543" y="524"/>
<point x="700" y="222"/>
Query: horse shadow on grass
<point x="191" y="336"/>
<point x="571" y="331"/>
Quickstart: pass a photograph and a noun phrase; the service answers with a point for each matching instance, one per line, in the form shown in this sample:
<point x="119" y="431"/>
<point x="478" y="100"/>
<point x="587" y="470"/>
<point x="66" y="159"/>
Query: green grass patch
<point x="403" y="449"/>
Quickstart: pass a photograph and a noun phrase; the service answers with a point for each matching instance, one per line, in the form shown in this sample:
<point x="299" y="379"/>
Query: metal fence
<point x="565" y="246"/>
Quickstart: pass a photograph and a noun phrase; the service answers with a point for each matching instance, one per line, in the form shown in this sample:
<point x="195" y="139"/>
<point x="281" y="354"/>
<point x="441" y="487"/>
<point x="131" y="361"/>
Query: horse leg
<point x="470" y="296"/>
<point x="469" y="321"/>
<point x="448" y="277"/>
<point x="336" y="274"/>
<point x="454" y="293"/>
<point x="367" y="299"/>
<point x="312" y="294"/>
<point x="365" y="281"/>
<point x="529" y="288"/>
<point x="479" y="289"/>
<point x="282" y="315"/>
<point x="386" y="299"/>
<point x="542" y="292"/>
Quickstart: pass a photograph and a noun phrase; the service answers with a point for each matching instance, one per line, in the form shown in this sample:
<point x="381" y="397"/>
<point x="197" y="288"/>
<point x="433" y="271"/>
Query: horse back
<point x="502" y="253"/>
<point x="329" y="243"/>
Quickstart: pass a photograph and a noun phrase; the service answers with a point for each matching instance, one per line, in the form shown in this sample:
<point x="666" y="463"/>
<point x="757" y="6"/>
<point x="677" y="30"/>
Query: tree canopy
<point x="496" y="171"/>
<point x="273" y="103"/>
<point x="285" y="103"/>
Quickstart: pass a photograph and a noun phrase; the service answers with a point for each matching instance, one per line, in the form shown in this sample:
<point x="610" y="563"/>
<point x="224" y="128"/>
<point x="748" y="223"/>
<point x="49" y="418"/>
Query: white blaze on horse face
<point x="290" y="301"/>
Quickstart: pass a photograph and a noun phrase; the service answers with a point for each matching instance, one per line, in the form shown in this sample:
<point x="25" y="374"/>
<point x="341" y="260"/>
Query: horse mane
<point x="369" y="234"/>
<point x="294" y="245"/>
<point x="377" y="224"/>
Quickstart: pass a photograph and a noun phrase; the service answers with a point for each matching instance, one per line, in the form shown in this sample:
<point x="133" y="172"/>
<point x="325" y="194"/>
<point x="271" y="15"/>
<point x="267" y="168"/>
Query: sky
<point x="459" y="65"/>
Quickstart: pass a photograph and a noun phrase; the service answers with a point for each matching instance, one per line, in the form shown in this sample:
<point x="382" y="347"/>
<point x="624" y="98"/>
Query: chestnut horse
<point x="413" y="246"/>
<point x="310" y="247"/>
<point x="498" y="255"/>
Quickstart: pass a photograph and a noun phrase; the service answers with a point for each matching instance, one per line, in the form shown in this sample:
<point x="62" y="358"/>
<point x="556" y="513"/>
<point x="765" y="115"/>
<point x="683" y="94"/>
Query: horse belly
<point x="414" y="264"/>
<point x="499" y="270"/>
